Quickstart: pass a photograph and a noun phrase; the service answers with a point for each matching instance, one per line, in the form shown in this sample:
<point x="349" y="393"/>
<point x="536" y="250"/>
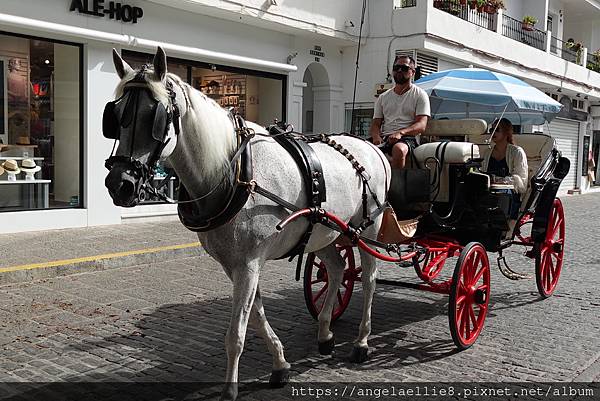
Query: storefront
<point x="56" y="75"/>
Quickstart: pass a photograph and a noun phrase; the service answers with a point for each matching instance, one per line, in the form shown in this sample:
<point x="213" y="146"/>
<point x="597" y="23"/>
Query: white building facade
<point x="291" y="60"/>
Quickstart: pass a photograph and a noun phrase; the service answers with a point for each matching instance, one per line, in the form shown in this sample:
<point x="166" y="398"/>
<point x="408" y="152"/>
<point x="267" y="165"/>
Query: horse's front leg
<point x="245" y="281"/>
<point x="280" y="375"/>
<point x="335" y="272"/>
<point x="368" y="276"/>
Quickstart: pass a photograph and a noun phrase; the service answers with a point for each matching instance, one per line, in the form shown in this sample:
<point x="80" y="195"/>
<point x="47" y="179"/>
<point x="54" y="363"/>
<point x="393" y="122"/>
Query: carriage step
<point x="508" y="272"/>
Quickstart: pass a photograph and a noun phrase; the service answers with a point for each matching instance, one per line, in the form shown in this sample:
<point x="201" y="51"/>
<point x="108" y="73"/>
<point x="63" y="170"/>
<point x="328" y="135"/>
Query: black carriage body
<point x="476" y="213"/>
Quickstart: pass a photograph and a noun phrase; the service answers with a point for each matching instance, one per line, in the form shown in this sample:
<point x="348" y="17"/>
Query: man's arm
<point x="375" y="130"/>
<point x="417" y="127"/>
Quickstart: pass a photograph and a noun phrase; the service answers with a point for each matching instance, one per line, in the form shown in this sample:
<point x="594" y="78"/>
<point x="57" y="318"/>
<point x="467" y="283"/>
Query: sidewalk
<point x="44" y="254"/>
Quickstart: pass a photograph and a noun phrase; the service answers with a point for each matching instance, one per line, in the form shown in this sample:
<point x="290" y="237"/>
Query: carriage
<point x="463" y="215"/>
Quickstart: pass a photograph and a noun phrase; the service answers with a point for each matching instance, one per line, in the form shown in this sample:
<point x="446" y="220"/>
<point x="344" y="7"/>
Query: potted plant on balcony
<point x="576" y="47"/>
<point x="492" y="6"/>
<point x="528" y="22"/>
<point x="455" y="6"/>
<point x="478" y="4"/>
<point x="594" y="61"/>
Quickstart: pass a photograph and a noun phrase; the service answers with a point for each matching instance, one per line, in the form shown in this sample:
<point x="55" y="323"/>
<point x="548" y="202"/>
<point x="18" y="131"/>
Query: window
<point x="40" y="124"/>
<point x="362" y="121"/>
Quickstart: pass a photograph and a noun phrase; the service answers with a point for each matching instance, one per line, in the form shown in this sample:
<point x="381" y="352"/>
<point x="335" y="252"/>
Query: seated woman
<point x="507" y="160"/>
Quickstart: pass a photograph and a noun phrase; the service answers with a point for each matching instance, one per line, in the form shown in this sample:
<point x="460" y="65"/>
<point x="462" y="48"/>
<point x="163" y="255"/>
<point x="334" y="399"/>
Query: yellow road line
<point x="96" y="257"/>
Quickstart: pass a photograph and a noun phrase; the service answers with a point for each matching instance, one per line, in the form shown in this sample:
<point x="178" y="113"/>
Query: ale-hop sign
<point x="110" y="9"/>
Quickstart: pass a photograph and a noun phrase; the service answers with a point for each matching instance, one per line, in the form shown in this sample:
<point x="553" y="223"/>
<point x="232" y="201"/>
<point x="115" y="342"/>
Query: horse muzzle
<point x="125" y="185"/>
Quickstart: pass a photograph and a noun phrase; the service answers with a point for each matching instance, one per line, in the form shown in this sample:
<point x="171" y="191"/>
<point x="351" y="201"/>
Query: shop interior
<point x="39" y="154"/>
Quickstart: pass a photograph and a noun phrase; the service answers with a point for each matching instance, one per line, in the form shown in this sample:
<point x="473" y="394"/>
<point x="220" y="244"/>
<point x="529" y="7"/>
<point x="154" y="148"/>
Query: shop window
<point x="40" y="127"/>
<point x="257" y="99"/>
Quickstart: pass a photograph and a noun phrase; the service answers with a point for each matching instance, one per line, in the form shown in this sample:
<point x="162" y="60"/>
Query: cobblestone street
<point x="166" y="322"/>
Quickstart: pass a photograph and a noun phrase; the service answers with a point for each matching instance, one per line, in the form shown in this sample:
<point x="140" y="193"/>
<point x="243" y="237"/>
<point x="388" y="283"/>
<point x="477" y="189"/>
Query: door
<point x="566" y="133"/>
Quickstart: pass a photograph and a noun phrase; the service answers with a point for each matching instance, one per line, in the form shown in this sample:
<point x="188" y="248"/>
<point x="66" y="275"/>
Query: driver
<point x="400" y="113"/>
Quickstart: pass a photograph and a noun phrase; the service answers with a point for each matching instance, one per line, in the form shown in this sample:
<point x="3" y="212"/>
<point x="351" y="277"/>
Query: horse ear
<point x="121" y="65"/>
<point x="160" y="64"/>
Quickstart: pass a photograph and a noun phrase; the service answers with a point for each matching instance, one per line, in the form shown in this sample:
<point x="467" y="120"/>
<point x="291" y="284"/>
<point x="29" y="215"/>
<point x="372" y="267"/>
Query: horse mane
<point x="206" y="124"/>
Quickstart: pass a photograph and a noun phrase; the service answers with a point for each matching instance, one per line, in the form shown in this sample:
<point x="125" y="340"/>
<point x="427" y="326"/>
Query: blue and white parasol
<point x="479" y="93"/>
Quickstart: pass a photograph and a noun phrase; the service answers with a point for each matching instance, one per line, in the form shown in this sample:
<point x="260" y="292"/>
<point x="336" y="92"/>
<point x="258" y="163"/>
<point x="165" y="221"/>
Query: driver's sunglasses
<point x="402" y="67"/>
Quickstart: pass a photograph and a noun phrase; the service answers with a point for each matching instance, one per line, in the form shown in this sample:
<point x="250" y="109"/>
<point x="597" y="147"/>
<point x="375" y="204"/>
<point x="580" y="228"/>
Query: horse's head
<point x="144" y="119"/>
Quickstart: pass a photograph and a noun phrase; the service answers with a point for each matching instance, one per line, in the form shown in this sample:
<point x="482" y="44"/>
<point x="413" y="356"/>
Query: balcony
<point x="514" y="29"/>
<point x="468" y="13"/>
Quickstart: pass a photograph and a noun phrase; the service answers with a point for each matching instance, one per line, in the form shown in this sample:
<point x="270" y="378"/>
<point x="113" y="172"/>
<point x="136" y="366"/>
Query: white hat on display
<point x="29" y="166"/>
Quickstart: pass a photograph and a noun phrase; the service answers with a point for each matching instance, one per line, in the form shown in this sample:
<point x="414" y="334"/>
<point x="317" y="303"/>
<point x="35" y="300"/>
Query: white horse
<point x="200" y="154"/>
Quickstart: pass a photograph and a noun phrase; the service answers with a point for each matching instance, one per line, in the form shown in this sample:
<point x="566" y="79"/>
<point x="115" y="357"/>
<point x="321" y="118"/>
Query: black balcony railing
<point x="463" y="11"/>
<point x="513" y="29"/>
<point x="569" y="51"/>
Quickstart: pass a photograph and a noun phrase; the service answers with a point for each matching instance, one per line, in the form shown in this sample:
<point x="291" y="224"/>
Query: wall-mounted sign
<point x="318" y="53"/>
<point x="111" y="9"/>
<point x="380" y="88"/>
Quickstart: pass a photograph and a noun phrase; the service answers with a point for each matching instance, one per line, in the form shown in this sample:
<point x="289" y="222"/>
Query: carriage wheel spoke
<point x="466" y="323"/>
<point x="459" y="314"/>
<point x="473" y="319"/>
<point x="462" y="289"/>
<point x="478" y="276"/>
<point x="482" y="287"/>
<point x="320" y="293"/>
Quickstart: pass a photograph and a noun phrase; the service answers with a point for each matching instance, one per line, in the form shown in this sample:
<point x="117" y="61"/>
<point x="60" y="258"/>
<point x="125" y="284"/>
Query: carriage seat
<point x="537" y="147"/>
<point x="451" y="128"/>
<point x="455" y="153"/>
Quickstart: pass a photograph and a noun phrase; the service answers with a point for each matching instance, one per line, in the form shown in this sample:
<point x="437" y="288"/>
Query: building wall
<point x="178" y="27"/>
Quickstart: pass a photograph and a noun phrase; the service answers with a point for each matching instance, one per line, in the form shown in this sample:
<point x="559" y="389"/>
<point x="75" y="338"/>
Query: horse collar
<point x="194" y="216"/>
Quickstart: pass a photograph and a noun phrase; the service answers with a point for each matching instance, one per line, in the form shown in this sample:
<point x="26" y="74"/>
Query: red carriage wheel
<point x="433" y="263"/>
<point x="316" y="283"/>
<point x="549" y="258"/>
<point x="469" y="295"/>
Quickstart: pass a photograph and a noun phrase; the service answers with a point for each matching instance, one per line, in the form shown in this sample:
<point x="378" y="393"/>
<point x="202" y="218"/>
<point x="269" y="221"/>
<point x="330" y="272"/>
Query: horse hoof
<point x="326" y="347"/>
<point x="359" y="354"/>
<point x="230" y="392"/>
<point x="279" y="378"/>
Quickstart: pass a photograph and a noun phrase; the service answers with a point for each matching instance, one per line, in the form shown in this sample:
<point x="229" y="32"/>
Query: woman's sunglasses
<point x="402" y="67"/>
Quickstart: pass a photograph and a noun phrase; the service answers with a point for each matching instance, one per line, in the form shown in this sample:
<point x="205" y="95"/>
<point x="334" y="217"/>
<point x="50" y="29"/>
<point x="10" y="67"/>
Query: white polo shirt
<point x="400" y="111"/>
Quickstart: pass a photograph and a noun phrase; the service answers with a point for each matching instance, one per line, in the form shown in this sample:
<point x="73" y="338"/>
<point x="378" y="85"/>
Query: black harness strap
<point x="312" y="172"/>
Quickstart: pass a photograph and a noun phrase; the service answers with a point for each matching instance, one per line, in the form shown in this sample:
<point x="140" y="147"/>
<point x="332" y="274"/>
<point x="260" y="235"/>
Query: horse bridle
<point x="163" y="118"/>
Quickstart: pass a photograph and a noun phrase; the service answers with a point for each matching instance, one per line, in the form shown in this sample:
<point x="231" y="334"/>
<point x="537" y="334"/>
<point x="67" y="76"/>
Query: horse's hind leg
<point x="245" y="282"/>
<point x="368" y="276"/>
<point x="258" y="320"/>
<point x="335" y="271"/>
